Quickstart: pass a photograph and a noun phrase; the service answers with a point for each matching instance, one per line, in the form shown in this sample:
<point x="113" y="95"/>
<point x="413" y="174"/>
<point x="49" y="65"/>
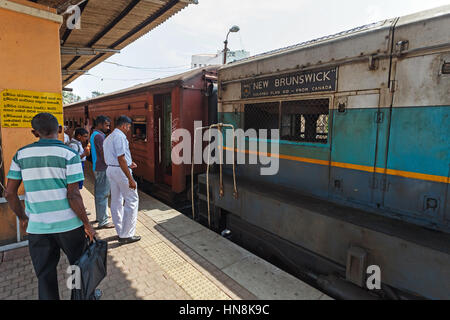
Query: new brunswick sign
<point x="291" y="83"/>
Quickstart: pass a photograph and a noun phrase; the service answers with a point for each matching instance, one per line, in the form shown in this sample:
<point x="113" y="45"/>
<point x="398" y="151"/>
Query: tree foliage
<point x="70" y="97"/>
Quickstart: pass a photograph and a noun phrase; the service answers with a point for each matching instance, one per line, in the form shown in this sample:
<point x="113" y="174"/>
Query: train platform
<point x="177" y="259"/>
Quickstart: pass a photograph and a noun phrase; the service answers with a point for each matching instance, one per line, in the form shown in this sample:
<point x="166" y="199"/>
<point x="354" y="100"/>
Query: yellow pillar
<point x="29" y="60"/>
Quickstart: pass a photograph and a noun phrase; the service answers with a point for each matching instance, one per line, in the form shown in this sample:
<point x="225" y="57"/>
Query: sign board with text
<point x="323" y="80"/>
<point x="18" y="107"/>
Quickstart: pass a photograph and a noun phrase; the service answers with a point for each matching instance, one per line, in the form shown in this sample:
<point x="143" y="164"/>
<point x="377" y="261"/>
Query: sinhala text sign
<point x="18" y="107"/>
<point x="291" y="83"/>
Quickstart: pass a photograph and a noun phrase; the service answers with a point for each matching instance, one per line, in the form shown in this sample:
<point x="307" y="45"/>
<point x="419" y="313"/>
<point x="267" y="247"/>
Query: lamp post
<point x="232" y="29"/>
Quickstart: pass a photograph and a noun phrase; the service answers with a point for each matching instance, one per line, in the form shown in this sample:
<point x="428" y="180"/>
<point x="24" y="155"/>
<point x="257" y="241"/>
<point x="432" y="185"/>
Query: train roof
<point x="368" y="28"/>
<point x="182" y="77"/>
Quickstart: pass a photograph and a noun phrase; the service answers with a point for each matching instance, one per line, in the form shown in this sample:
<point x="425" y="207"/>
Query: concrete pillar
<point x="29" y="60"/>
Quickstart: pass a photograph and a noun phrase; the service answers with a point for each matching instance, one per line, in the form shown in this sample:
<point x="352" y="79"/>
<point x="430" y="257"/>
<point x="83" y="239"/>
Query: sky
<point x="264" y="25"/>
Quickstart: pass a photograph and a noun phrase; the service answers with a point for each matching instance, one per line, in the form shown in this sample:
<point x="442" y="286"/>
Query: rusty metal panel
<point x="421" y="83"/>
<point x="424" y="29"/>
<point x="357" y="76"/>
<point x="230" y="92"/>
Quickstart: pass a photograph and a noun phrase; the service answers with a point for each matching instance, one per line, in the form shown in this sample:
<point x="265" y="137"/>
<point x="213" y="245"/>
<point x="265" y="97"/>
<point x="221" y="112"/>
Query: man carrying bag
<point x="91" y="270"/>
<point x="54" y="215"/>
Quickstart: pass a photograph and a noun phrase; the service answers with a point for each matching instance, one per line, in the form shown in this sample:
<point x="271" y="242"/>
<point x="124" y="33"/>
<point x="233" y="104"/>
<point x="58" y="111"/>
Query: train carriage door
<point x="167" y="141"/>
<point x="163" y="133"/>
<point x="354" y="146"/>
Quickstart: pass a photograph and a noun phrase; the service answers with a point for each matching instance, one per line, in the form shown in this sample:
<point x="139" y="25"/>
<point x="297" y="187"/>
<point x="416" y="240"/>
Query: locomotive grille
<point x="262" y="116"/>
<point x="300" y="120"/>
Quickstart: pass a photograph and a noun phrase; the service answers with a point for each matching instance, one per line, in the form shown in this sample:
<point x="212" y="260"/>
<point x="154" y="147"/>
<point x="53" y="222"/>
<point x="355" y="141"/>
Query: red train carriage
<point x="156" y="108"/>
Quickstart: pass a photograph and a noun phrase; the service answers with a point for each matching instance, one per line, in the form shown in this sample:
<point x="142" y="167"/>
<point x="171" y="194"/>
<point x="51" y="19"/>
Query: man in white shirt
<point x="123" y="187"/>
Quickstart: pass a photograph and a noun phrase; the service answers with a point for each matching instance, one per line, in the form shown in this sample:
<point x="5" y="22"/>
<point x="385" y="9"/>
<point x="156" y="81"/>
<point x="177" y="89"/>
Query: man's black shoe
<point x="129" y="240"/>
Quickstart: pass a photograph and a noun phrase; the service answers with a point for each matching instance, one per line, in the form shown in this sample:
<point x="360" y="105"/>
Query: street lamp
<point x="232" y="29"/>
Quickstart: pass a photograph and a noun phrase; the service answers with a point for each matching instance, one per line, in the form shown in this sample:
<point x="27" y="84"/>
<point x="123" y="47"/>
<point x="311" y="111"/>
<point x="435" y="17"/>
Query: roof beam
<point x="155" y="1"/>
<point x="66" y="72"/>
<point x="74" y="51"/>
<point x="164" y="2"/>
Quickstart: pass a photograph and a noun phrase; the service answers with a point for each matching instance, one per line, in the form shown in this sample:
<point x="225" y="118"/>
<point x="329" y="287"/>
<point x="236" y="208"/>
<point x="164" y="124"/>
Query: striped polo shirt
<point x="46" y="168"/>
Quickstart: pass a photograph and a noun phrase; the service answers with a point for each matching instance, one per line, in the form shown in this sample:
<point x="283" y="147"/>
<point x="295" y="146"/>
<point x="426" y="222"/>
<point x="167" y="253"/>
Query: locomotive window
<point x="299" y="121"/>
<point x="262" y="116"/>
<point x="305" y="120"/>
<point x="139" y="132"/>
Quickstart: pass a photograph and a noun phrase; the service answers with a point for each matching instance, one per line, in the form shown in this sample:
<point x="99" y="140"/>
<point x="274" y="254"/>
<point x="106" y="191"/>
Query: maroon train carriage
<point x="156" y="108"/>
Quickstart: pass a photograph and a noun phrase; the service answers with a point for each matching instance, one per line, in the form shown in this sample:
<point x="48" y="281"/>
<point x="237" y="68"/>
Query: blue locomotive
<point x="363" y="118"/>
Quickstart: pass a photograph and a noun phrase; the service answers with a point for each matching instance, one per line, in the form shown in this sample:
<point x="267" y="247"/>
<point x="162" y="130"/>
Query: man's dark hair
<point x="45" y="123"/>
<point x="101" y="120"/>
<point x="80" y="132"/>
<point x="123" y="119"/>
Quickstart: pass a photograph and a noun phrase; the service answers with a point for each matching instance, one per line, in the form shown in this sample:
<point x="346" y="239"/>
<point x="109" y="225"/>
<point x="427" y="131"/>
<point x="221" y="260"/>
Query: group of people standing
<point x="111" y="161"/>
<point x="53" y="173"/>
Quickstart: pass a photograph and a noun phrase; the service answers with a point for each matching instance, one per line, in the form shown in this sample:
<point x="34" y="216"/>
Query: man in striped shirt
<point x="54" y="214"/>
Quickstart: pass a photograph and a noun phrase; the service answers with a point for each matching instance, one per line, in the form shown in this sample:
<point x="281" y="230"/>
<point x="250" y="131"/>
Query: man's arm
<point x="75" y="147"/>
<point x="12" y="197"/>
<point x="98" y="143"/>
<point x="77" y="205"/>
<point x="123" y="165"/>
<point x="86" y="152"/>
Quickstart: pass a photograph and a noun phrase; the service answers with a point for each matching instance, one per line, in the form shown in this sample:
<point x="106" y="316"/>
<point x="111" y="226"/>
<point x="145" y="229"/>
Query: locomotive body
<point x="364" y="154"/>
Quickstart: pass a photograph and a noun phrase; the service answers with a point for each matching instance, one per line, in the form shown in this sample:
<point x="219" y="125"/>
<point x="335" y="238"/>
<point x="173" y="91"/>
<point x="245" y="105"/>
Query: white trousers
<point x="124" y="203"/>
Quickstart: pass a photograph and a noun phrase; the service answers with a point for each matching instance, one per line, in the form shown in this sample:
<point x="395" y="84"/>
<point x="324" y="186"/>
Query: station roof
<point x="108" y="25"/>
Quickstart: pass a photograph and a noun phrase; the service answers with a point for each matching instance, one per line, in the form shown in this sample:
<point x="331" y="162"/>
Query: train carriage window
<point x="139" y="128"/>
<point x="305" y="120"/>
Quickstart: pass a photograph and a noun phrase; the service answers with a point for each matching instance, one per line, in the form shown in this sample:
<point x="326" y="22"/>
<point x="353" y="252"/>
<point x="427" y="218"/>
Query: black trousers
<point x="45" y="254"/>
